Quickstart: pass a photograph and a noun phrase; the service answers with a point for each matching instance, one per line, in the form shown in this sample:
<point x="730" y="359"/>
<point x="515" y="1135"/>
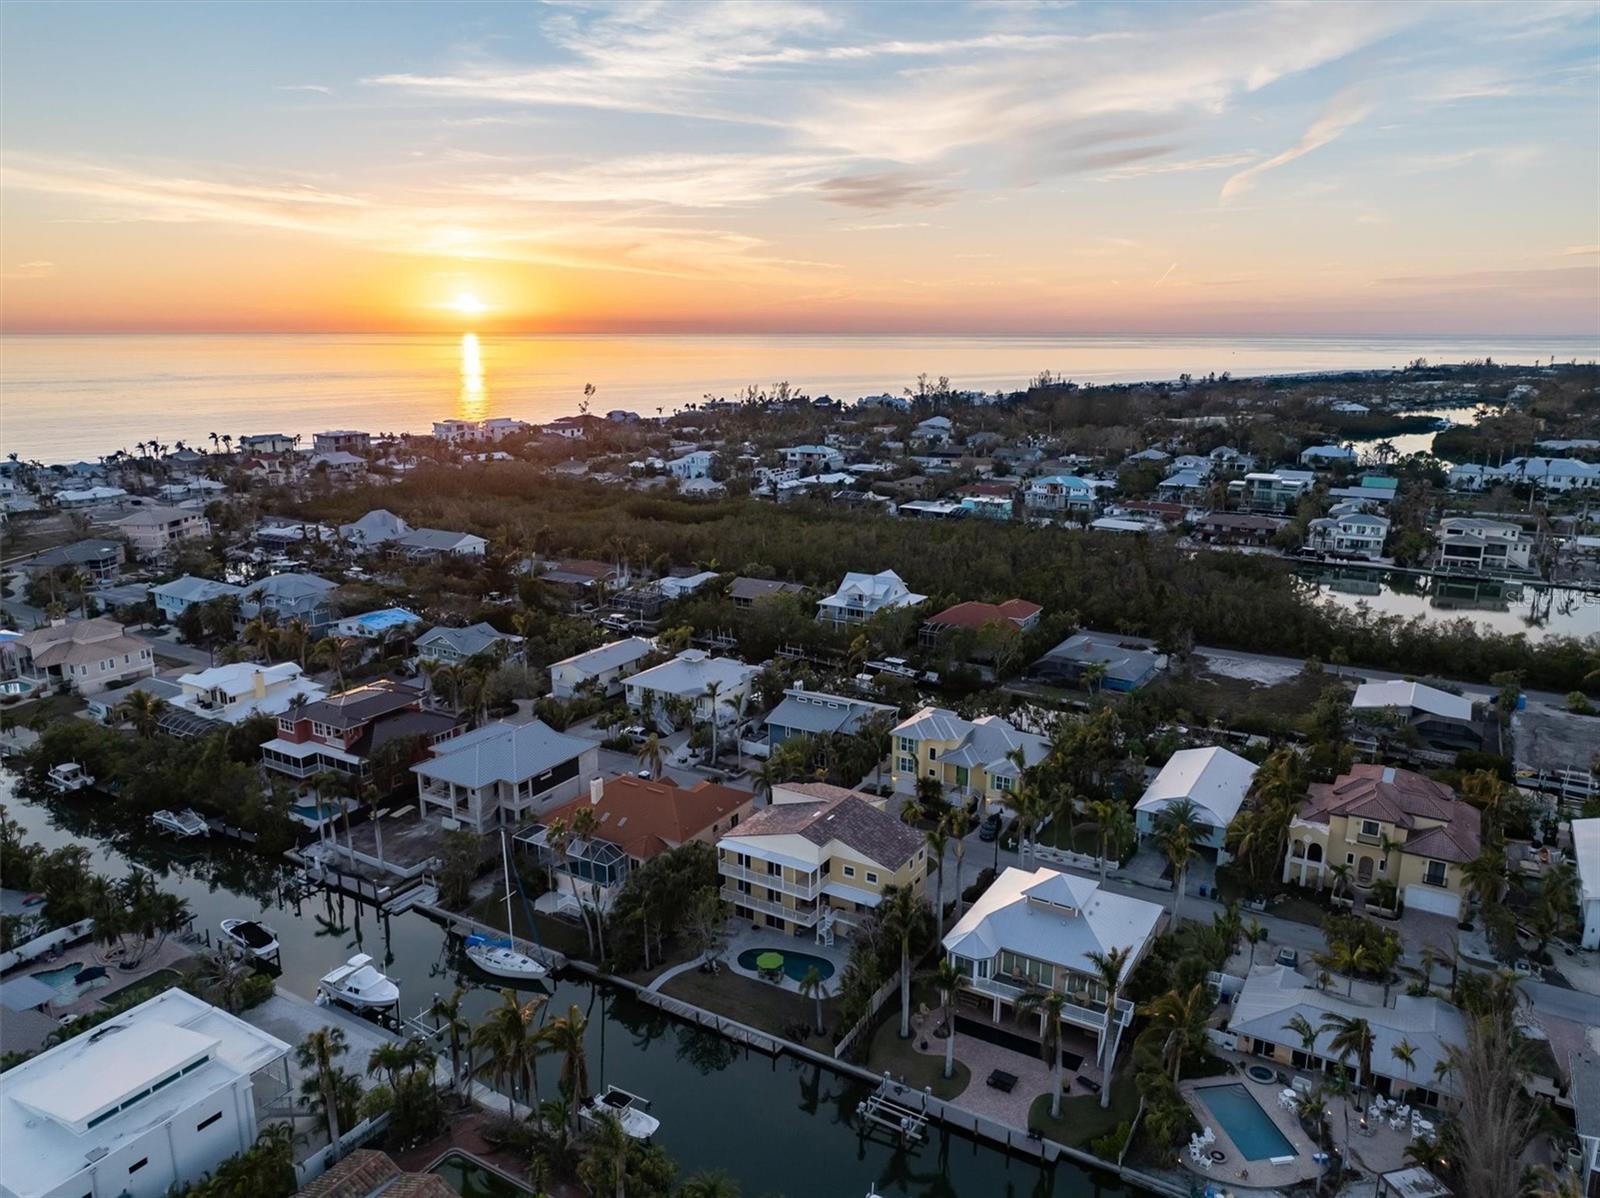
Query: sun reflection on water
<point x="473" y="402"/>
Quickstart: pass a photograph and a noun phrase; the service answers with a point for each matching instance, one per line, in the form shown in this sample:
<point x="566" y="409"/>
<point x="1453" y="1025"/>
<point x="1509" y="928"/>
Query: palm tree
<point x="1111" y="966"/>
<point x="651" y="755"/>
<point x="330" y="649"/>
<point x="1302" y="1027"/>
<point x="446" y="1013"/>
<point x="937" y="839"/>
<point x="1254" y="934"/>
<point x="1183" y="1018"/>
<point x="1049" y="1004"/>
<point x="261" y="634"/>
<point x="510" y="1036"/>
<point x="958" y="822"/>
<point x="1485" y="875"/>
<point x="1341" y="877"/>
<point x="222" y="978"/>
<point x="904" y="916"/>
<point x="1349" y="959"/>
<point x="1352" y="1037"/>
<point x="1028" y="805"/>
<point x="813" y="987"/>
<point x="1406" y="1053"/>
<point x="319" y="1052"/>
<point x="585" y="827"/>
<point x="712" y="689"/>
<point x="605" y="1165"/>
<point x="715" y="1184"/>
<point x="564" y="1037"/>
<point x="389" y="1059"/>
<point x="143" y="710"/>
<point x="1178" y="827"/>
<point x="947" y="977"/>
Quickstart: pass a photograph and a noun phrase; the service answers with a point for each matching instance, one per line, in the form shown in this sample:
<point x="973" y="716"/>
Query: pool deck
<point x="1236" y="1170"/>
<point x="837" y="954"/>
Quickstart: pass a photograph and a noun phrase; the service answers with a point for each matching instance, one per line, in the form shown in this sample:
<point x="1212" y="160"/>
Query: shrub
<point x="1109" y="1146"/>
<point x="986" y="878"/>
<point x="256" y="991"/>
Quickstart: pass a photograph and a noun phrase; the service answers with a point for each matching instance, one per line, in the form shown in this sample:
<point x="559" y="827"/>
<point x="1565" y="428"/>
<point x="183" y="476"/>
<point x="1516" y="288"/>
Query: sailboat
<point x="498" y="956"/>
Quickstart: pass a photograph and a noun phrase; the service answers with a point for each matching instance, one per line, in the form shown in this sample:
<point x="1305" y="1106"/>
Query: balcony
<point x="804" y="890"/>
<point x="1089" y="1016"/>
<point x="803" y="915"/>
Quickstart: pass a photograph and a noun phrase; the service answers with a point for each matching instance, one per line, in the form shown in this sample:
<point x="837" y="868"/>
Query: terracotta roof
<point x="1437" y="824"/>
<point x="852" y="822"/>
<point x="998" y="490"/>
<point x="977" y="615"/>
<point x="1240" y="520"/>
<point x="646" y="818"/>
<point x="366" y="1173"/>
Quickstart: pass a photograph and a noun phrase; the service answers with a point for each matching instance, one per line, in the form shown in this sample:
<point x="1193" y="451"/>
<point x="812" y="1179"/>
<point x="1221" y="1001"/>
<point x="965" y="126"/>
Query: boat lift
<point x="884" y="1111"/>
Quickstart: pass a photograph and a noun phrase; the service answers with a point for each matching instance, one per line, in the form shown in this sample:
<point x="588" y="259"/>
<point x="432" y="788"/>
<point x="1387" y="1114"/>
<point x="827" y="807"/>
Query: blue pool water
<point x="795" y="965"/>
<point x="316" y="810"/>
<point x="1249" y="1127"/>
<point x="60" y="978"/>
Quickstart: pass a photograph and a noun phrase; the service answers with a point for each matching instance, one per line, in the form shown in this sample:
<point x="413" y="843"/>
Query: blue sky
<point x="988" y="168"/>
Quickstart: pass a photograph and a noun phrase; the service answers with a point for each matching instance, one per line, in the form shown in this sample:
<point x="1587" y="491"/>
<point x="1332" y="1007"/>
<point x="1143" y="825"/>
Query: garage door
<point x="1431" y="898"/>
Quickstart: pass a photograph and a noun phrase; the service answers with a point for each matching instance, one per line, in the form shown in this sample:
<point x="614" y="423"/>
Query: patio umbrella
<point x="769" y="961"/>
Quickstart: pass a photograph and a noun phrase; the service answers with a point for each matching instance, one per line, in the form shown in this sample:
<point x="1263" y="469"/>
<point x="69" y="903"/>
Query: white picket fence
<point x="1044" y="854"/>
<point x="880" y="996"/>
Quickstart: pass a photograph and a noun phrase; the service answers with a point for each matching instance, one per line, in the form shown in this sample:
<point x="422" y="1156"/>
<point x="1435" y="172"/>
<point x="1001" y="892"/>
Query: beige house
<point x="154" y="531"/>
<point x="1379" y="822"/>
<point x="85" y="655"/>
<point x="818" y="866"/>
<point x="969" y="757"/>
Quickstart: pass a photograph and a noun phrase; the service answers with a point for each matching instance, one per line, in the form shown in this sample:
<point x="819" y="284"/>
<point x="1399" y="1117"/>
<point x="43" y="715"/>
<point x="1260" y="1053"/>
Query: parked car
<point x="990" y="828"/>
<point x="1289" y="957"/>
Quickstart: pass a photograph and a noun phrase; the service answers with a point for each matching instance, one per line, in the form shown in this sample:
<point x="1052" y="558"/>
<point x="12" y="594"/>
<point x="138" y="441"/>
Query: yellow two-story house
<point x="817" y="867"/>
<point x="1386" y="823"/>
<point x="966" y="757"/>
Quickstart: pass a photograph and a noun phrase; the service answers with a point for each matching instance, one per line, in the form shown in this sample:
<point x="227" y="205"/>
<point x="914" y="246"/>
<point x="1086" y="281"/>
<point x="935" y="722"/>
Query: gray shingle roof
<point x="502" y="753"/>
<point x="874" y="834"/>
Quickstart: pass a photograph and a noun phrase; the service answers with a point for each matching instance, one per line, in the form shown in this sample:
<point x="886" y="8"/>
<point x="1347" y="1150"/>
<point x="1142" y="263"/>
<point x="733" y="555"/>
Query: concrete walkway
<point x="666" y="975"/>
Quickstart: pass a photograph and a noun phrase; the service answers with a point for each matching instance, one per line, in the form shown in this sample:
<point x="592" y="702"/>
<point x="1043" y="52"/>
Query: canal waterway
<point x="778" y="1126"/>
<point x="1535" y="610"/>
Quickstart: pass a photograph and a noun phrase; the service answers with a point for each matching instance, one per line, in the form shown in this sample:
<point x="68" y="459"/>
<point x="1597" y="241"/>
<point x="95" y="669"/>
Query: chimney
<point x="597" y="790"/>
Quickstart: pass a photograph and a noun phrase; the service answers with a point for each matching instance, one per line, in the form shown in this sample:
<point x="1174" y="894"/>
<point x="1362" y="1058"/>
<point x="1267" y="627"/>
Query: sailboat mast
<point x="505" y="864"/>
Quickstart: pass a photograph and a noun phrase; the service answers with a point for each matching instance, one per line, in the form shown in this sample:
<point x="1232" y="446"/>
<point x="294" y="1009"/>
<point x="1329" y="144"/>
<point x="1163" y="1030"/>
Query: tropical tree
<point x="1112" y="966"/>
<point x="222" y="978"/>
<point x="713" y="688"/>
<point x="1178" y="828"/>
<point x="564" y="1037"/>
<point x="605" y="1162"/>
<point x="714" y="1184"/>
<point x="1254" y="934"/>
<point x="905" y="918"/>
<point x="1406" y="1053"/>
<point x="937" y="839"/>
<point x="143" y="710"/>
<point x="1180" y="1020"/>
<point x="511" y="1037"/>
<point x="1114" y="830"/>
<point x="947" y="977"/>
<point x="958" y="823"/>
<point x="651" y="755"/>
<point x="813" y="987"/>
<point x="447" y="1016"/>
<point x="1352" y="1037"/>
<point x="1050" y="1004"/>
<point x="319" y="1053"/>
<point x="331" y="650"/>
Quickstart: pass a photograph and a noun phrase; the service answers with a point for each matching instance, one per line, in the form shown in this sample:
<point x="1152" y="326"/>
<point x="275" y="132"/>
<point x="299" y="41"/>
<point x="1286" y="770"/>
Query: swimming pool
<point x="60" y="978"/>
<point x="472" y="1179"/>
<point x="795" y="965"/>
<point x="1250" y="1128"/>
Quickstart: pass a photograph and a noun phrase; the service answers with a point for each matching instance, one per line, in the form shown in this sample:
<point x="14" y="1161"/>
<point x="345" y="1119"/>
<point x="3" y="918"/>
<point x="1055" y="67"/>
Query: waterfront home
<point x="1010" y="617"/>
<point x="817" y="868"/>
<point x="1586" y="852"/>
<point x="1373" y="491"/>
<point x="306" y="597"/>
<point x="96" y="558"/>
<point x="455" y="432"/>
<point x="497" y="428"/>
<point x="1182" y="484"/>
<point x="155" y="531"/>
<point x="1153" y="456"/>
<point x="1058" y="494"/>
<point x="1212" y="778"/>
<point x="1236" y="528"/>
<point x="504" y="774"/>
<point x="862" y="596"/>
<point x="935" y="430"/>
<point x="1386" y="823"/>
<point x="601" y="670"/>
<point x="451" y="646"/>
<point x="1492" y="546"/>
<point x="90" y="497"/>
<point x="969" y="757"/>
<point x="1261" y="1016"/>
<point x="340" y="733"/>
<point x="579" y="574"/>
<point x="1328" y="455"/>
<point x="430" y="544"/>
<point x="1270" y="490"/>
<point x="266" y="443"/>
<point x="1125" y="663"/>
<point x="1034" y="930"/>
<point x="367" y="1173"/>
<point x="338" y="464"/>
<point x="675" y="586"/>
<point x="173" y="598"/>
<point x="811" y="457"/>
<point x="382" y="625"/>
<point x="1554" y="474"/>
<point x="342" y="440"/>
<point x="87" y="656"/>
<point x="378" y="527"/>
<point x="229" y="694"/>
<point x="1441" y="723"/>
<point x="812" y="713"/>
<point x="990" y="507"/>
<point x="148" y="1103"/>
<point x="747" y="592"/>
<point x="1349" y="534"/>
<point x="636" y="819"/>
<point x="686" y="678"/>
<point x="695" y="464"/>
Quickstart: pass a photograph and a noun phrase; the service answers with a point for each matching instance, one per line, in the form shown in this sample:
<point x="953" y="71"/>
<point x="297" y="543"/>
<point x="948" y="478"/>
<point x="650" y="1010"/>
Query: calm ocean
<point x="68" y="397"/>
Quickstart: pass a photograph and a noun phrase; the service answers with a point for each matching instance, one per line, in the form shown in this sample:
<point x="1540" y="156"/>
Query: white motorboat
<point x="254" y="938"/>
<point x="628" y="1110"/>
<point x="186" y="823"/>
<point x="68" y="776"/>
<point x="499" y="957"/>
<point x="357" y="983"/>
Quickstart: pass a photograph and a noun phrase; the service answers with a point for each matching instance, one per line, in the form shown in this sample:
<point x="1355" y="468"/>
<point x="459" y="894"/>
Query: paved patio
<point x="1235" y="1168"/>
<point x="766" y="940"/>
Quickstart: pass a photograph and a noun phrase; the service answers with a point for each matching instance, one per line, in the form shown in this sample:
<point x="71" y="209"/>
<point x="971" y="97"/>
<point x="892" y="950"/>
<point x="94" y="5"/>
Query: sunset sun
<point x="468" y="304"/>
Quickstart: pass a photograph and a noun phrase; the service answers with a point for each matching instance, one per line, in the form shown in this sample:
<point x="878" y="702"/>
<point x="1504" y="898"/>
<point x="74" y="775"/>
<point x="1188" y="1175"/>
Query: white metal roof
<point x="1214" y="778"/>
<point x="1398" y="693"/>
<point x="1586" y="847"/>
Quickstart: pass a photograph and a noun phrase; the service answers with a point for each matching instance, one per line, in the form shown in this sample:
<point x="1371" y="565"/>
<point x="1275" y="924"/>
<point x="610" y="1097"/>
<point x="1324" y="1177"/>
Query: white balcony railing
<point x="805" y="890"/>
<point x="804" y="916"/>
<point x="1092" y="1017"/>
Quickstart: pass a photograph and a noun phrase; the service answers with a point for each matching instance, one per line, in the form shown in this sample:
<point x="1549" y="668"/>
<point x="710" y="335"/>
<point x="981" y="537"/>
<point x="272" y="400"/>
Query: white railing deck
<point x="1076" y="1013"/>
<point x="799" y="889"/>
<point x="801" y="915"/>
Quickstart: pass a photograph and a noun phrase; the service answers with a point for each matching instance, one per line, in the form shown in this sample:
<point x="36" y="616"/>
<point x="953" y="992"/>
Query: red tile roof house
<point x="975" y="616"/>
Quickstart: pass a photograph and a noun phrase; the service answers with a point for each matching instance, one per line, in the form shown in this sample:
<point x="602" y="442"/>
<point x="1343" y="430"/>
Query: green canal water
<point x="779" y="1126"/>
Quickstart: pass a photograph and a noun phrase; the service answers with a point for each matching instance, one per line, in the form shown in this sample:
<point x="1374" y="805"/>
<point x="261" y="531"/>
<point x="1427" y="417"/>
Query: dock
<point x="884" y="1111"/>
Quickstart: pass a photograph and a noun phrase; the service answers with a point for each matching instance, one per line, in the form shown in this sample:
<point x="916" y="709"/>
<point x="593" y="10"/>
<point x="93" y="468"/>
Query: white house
<point x="377" y="527"/>
<point x="149" y="1102"/>
<point x="1468" y="543"/>
<point x="862" y="596"/>
<point x="812" y="457"/>
<point x="153" y="531"/>
<point x="1058" y="493"/>
<point x="173" y="598"/>
<point x="456" y="432"/>
<point x="1214" y="779"/>
<point x="266" y="443"/>
<point x="233" y="693"/>
<point x="692" y="465"/>
<point x="1034" y="930"/>
<point x="1351" y="534"/>
<point x="1586" y="848"/>
<point x="425" y="544"/>
<point x="1327" y="455"/>
<point x="686" y="677"/>
<point x="604" y="668"/>
<point x="501" y="774"/>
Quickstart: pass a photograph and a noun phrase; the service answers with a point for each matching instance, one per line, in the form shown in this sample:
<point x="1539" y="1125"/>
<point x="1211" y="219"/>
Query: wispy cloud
<point x="319" y="88"/>
<point x="884" y="189"/>
<point x="29" y="270"/>
<point x="1345" y="111"/>
<point x="1580" y="251"/>
<point x="1139" y="170"/>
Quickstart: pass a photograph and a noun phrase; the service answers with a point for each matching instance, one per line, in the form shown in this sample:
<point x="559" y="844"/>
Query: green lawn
<point x="44" y="712"/>
<point x="888" y="1052"/>
<point x="558" y="934"/>
<point x="756" y="1004"/>
<point x="1082" y="1118"/>
<point x="158" y="982"/>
